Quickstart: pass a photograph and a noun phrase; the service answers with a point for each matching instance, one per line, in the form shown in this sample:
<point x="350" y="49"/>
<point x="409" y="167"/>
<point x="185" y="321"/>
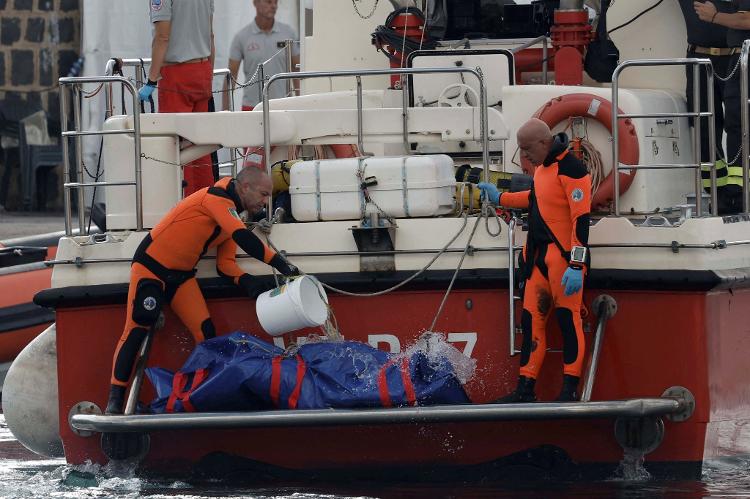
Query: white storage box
<point x="407" y="186"/>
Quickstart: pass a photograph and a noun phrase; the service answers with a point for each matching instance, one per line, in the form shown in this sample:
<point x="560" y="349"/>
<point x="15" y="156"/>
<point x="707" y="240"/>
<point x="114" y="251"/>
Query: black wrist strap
<point x="151" y="83"/>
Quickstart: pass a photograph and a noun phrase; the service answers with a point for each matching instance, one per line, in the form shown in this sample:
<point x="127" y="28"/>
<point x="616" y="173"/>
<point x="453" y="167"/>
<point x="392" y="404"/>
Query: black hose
<point x="635" y="18"/>
<point x="385" y="35"/>
<point x="96" y="179"/>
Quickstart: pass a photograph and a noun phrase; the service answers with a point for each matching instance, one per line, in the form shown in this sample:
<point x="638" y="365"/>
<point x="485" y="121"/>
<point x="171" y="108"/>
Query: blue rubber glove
<point x="572" y="280"/>
<point x="146" y="90"/>
<point x="489" y="192"/>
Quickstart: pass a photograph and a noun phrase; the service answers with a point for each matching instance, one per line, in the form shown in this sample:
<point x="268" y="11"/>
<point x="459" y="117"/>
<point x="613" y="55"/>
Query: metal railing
<point x="284" y="47"/>
<point x="696" y="114"/>
<point x="144" y="423"/>
<point x="288" y="54"/>
<point x="107" y="82"/>
<point x="358" y="74"/>
<point x="512" y="284"/>
<point x="745" y="123"/>
<point x="545" y="58"/>
<point x="141" y="64"/>
<point x="605" y="308"/>
<point x="75" y="83"/>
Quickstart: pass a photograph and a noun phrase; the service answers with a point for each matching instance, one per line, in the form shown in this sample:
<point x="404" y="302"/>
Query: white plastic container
<point x="298" y="304"/>
<point x="407" y="186"/>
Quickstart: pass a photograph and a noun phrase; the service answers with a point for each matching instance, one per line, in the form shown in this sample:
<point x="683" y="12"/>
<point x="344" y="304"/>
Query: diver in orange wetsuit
<point x="555" y="257"/>
<point x="163" y="269"/>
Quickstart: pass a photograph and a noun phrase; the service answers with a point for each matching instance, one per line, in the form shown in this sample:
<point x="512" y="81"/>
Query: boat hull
<point x="20" y="319"/>
<point x="658" y="339"/>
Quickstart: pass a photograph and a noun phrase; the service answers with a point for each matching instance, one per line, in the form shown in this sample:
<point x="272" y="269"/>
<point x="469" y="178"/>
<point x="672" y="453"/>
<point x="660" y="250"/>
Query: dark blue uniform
<point x="731" y="198"/>
<point x="704" y="38"/>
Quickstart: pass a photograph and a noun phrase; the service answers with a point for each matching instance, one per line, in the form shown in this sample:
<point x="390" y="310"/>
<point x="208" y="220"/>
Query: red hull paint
<point x="656" y="340"/>
<point x="18" y="289"/>
<point x="12" y="342"/>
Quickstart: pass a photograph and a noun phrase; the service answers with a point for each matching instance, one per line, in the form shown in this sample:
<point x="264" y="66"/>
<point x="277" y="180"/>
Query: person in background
<point x="707" y="41"/>
<point x="251" y="46"/>
<point x="163" y="268"/>
<point x="182" y="61"/>
<point x="555" y="258"/>
<point x="738" y="24"/>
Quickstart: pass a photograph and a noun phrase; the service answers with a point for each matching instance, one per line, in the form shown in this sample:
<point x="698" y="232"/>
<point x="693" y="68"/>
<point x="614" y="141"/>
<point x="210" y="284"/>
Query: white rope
<point x="403" y="42"/>
<point x="330" y="327"/>
<point x="402" y="283"/>
<point x="455" y="274"/>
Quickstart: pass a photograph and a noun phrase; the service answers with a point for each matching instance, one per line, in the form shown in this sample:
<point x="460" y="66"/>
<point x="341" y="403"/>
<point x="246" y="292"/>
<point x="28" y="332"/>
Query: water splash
<point x="631" y="467"/>
<point x="436" y="349"/>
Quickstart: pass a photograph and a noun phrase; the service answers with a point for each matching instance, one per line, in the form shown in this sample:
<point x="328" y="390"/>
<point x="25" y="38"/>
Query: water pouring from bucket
<point x="300" y="303"/>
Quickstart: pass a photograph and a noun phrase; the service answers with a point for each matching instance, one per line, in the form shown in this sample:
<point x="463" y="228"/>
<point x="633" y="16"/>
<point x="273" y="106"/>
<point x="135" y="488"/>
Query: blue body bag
<point x="239" y="372"/>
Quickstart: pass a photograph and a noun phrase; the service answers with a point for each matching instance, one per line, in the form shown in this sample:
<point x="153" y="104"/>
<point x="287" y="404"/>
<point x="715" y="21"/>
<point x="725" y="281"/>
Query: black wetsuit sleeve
<point x="252" y="245"/>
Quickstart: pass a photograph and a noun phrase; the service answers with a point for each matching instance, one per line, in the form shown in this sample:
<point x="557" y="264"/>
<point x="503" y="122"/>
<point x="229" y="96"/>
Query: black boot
<point x="524" y="392"/>
<point x="116" y="399"/>
<point x="569" y="392"/>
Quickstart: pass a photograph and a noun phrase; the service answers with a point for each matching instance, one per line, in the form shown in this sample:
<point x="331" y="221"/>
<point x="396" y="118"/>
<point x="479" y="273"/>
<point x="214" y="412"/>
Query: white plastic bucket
<point x="298" y="304"/>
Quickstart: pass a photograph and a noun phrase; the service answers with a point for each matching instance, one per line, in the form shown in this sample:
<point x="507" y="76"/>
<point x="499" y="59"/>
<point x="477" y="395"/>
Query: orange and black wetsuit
<point x="163" y="269"/>
<point x="559" y="204"/>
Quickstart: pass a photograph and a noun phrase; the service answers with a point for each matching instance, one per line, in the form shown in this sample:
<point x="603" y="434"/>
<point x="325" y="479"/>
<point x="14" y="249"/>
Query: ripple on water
<point x="24" y="475"/>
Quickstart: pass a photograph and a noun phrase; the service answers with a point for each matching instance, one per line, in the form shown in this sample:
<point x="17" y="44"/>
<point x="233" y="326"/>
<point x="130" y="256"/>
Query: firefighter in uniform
<point x="182" y="62"/>
<point x="707" y="41"/>
<point x="555" y="257"/>
<point x="163" y="268"/>
<point x="729" y="180"/>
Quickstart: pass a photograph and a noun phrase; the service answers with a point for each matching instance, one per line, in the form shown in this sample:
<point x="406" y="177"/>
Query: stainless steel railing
<point x="605" y="308"/>
<point x="142" y="64"/>
<point x="512" y="298"/>
<point x="745" y="123"/>
<point x="545" y="58"/>
<point x="284" y="47"/>
<point x="358" y="74"/>
<point x="76" y="83"/>
<point x="288" y="51"/>
<point x="697" y="114"/>
<point x="107" y="82"/>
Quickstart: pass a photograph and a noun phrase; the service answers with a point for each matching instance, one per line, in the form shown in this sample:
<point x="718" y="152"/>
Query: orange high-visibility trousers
<point x="186" y="88"/>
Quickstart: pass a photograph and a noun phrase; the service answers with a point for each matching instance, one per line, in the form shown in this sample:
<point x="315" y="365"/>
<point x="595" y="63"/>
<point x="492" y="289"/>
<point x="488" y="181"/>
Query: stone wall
<point x="40" y="40"/>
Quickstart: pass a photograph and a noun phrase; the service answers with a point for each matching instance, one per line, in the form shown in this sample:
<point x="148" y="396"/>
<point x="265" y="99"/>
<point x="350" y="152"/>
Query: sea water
<point x="24" y="475"/>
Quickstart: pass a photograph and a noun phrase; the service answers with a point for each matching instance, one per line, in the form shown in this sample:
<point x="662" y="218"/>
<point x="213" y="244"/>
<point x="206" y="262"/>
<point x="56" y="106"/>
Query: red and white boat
<point x="23" y="273"/>
<point x="667" y="295"/>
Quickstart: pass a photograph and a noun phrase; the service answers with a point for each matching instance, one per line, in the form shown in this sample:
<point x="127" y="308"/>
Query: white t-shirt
<point x="252" y="46"/>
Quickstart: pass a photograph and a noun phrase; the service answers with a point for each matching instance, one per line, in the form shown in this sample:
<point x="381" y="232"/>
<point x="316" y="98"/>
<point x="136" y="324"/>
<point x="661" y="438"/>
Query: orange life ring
<point x="563" y="107"/>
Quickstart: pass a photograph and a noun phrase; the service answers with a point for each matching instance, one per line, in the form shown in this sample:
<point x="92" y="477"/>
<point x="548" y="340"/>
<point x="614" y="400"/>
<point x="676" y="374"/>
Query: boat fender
<point x="562" y="108"/>
<point x="30" y="401"/>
